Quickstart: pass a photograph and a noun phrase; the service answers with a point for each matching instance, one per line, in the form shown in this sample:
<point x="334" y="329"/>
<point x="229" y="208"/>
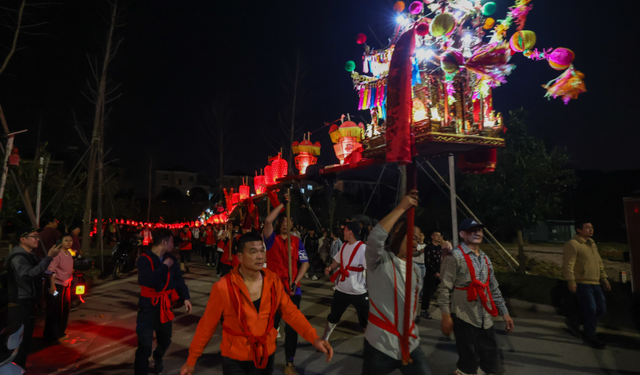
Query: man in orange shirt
<point x="247" y="300"/>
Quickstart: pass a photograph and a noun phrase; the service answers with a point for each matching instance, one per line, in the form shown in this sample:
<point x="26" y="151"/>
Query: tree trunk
<point x="522" y="268"/>
<point x="149" y="201"/>
<point x="98" y="122"/>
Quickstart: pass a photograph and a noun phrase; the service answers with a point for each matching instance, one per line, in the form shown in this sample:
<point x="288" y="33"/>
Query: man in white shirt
<point x="350" y="279"/>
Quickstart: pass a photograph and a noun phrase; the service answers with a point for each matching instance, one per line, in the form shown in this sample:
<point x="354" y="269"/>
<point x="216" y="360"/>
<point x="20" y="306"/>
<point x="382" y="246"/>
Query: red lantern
<point x="280" y="168"/>
<point x="303" y="160"/>
<point x="259" y="184"/>
<point x="245" y="192"/>
<point x="478" y="161"/>
<point x="235" y="198"/>
<point x="14" y="158"/>
<point x="269" y="175"/>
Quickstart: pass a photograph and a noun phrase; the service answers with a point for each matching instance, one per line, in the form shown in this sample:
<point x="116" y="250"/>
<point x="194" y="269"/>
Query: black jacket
<point x="157" y="278"/>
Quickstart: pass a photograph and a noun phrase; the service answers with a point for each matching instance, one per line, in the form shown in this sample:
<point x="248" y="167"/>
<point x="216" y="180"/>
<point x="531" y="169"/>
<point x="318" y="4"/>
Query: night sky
<point x="177" y="56"/>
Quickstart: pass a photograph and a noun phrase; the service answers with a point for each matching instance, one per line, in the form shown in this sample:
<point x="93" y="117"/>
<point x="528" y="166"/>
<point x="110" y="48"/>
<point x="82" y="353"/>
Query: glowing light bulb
<point x="424" y="53"/>
<point x="402" y="20"/>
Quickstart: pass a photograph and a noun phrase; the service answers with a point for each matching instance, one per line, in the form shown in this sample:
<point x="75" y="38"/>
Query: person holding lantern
<point x="185" y="248"/>
<point x="277" y="261"/>
<point x="350" y="279"/>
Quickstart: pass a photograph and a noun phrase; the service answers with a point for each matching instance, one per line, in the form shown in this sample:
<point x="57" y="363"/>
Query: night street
<point x="102" y="338"/>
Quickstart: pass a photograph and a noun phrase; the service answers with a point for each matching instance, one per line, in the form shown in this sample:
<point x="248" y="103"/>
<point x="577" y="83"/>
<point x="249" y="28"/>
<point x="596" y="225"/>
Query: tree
<point x="100" y="97"/>
<point x="527" y="185"/>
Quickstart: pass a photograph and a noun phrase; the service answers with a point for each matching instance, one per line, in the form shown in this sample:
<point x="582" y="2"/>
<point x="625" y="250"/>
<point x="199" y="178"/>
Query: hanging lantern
<point x="269" y="175"/>
<point x="307" y="153"/>
<point x="478" y="161"/>
<point x="259" y="184"/>
<point x="245" y="192"/>
<point x="347" y="138"/>
<point x="303" y="160"/>
<point x="235" y="198"/>
<point x="345" y="146"/>
<point x="280" y="168"/>
<point x="14" y="158"/>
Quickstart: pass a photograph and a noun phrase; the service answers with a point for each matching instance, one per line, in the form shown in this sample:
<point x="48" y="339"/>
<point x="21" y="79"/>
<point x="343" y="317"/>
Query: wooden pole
<point x="453" y="195"/>
<point x="408" y="310"/>
<point x="289" y="237"/>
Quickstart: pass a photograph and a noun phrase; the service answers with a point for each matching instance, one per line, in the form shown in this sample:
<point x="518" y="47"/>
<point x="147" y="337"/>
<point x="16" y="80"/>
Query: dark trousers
<point x="218" y="262"/>
<point x="57" y="318"/>
<point x="342" y="300"/>
<point x="378" y="363"/>
<point x="290" y="334"/>
<point x="206" y="254"/>
<point x="429" y="287"/>
<point x="314" y="258"/>
<point x="148" y="321"/>
<point x="592" y="305"/>
<point x="22" y="314"/>
<point x="476" y="347"/>
<point x="235" y="367"/>
<point x="225" y="269"/>
<point x="185" y="256"/>
<point x="195" y="245"/>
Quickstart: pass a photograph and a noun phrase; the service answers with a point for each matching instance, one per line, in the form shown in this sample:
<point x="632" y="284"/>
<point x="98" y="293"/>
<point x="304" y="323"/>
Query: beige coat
<point x="581" y="262"/>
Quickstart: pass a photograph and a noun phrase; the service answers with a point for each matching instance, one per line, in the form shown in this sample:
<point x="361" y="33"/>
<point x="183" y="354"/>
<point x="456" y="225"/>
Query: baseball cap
<point x="470" y="223"/>
<point x="354" y="227"/>
<point x="24" y="231"/>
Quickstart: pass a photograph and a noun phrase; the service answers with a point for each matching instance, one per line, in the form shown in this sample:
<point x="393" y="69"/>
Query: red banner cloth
<point x="400" y="141"/>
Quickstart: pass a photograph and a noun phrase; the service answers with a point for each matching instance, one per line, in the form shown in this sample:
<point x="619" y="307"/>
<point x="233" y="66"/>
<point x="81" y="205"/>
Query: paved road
<point x="103" y="340"/>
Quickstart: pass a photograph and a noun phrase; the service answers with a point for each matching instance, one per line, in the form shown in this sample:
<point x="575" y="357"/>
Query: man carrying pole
<point x="284" y="252"/>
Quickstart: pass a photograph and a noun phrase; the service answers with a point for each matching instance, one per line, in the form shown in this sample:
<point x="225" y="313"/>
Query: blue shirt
<point x="302" y="253"/>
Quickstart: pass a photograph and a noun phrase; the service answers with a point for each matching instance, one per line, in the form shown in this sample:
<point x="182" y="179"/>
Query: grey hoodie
<point x="25" y="272"/>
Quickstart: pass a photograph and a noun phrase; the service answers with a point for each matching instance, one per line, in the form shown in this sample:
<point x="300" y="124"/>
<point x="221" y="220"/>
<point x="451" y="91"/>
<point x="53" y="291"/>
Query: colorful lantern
<point x="347" y="138"/>
<point x="235" y="198"/>
<point x="259" y="184"/>
<point x="245" y="192"/>
<point x="307" y="153"/>
<point x="269" y="176"/>
<point x="280" y="167"/>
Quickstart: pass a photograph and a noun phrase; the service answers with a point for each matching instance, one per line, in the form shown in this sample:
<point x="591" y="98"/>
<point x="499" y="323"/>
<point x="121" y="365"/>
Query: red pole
<point x="408" y="318"/>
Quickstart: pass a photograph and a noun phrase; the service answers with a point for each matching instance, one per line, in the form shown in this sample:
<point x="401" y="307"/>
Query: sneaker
<point x="425" y="314"/>
<point x="158" y="367"/>
<point x="574" y="331"/>
<point x="208" y="264"/>
<point x="314" y="277"/>
<point x="306" y="275"/>
<point x="290" y="369"/>
<point x="595" y="343"/>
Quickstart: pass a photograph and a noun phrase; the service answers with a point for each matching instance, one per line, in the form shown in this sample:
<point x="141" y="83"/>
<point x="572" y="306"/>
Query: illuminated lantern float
<point x="244" y="190"/>
<point x="347" y="138"/>
<point x="433" y="84"/>
<point x="307" y="153"/>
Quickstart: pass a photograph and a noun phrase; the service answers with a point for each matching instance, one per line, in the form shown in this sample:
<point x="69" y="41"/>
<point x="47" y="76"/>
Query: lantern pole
<point x="411" y="184"/>
<point x="452" y="189"/>
<point x="289" y="237"/>
<point x="5" y="169"/>
<point x="39" y="190"/>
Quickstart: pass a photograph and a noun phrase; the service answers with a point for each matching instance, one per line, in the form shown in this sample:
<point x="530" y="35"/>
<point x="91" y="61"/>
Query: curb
<point x="516" y="303"/>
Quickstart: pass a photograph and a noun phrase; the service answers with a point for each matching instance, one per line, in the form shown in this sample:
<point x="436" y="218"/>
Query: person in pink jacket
<point x="58" y="296"/>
